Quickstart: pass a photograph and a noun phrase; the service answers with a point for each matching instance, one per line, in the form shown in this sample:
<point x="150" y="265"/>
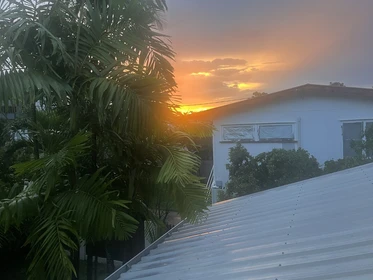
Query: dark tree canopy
<point x="258" y="94"/>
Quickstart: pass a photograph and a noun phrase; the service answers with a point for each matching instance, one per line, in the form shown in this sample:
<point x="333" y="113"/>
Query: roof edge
<point x="124" y="268"/>
<point x="281" y="93"/>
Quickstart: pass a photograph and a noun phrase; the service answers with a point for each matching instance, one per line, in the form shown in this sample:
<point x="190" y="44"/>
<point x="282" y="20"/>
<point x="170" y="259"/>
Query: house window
<point x="270" y="132"/>
<point x="274" y="132"/>
<point x="353" y="133"/>
<point x="238" y="132"/>
<point x="368" y="126"/>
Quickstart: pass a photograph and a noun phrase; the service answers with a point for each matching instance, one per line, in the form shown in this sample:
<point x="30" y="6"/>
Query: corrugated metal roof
<point x="317" y="229"/>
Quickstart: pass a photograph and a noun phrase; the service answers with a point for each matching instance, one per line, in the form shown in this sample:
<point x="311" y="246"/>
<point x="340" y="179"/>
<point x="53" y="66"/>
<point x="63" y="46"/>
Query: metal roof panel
<point x="316" y="229"/>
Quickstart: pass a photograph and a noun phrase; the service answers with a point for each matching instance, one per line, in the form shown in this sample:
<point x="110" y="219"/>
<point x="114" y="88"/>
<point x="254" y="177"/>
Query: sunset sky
<point x="228" y="49"/>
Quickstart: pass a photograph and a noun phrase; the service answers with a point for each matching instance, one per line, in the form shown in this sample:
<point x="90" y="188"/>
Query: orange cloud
<point x="205" y="74"/>
<point x="204" y="84"/>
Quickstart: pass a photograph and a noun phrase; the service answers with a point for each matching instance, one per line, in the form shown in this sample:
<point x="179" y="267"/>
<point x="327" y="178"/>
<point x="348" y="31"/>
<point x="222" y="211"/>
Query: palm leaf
<point x="99" y="213"/>
<point x="179" y="166"/>
<point x="15" y="210"/>
<point x="132" y="105"/>
<point x="22" y="87"/>
<point x="70" y="150"/>
<point x="51" y="239"/>
<point x="47" y="172"/>
<point x="191" y="201"/>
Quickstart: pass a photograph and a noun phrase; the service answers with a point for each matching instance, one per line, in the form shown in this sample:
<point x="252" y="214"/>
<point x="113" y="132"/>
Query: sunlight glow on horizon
<point x="193" y="108"/>
<point x="243" y="86"/>
<point x="205" y="74"/>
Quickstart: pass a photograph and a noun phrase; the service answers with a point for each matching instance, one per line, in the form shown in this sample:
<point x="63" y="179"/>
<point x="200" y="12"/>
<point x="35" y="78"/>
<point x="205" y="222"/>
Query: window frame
<point x="280" y="140"/>
<point x="238" y="140"/>
<point x="256" y="139"/>
<point x="364" y="126"/>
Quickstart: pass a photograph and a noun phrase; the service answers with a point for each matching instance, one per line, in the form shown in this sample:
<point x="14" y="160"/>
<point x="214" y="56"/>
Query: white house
<point x="320" y="119"/>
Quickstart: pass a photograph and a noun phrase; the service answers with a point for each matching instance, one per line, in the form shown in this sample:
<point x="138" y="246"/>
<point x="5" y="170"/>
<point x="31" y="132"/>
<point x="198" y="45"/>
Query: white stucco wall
<point x="319" y="123"/>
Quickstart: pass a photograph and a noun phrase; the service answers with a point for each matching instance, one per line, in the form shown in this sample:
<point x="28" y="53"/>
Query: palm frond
<point x="51" y="239"/>
<point x="51" y="129"/>
<point x="179" y="166"/>
<point x="70" y="150"/>
<point x="6" y="237"/>
<point x="98" y="212"/>
<point x="189" y="196"/>
<point x="23" y="87"/>
<point x="47" y="172"/>
<point x="15" y="210"/>
<point x="131" y="101"/>
<point x="190" y="201"/>
<point x="32" y="28"/>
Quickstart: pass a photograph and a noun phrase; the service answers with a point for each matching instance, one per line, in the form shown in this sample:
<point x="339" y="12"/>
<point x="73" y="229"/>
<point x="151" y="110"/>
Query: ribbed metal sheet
<point x="317" y="229"/>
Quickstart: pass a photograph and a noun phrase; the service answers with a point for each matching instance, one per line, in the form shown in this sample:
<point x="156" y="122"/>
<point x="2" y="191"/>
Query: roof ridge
<point x="345" y="91"/>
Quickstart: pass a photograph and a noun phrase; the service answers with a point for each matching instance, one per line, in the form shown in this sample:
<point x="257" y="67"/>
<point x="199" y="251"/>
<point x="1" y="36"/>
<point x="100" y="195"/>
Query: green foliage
<point x="95" y="85"/>
<point x="51" y="237"/>
<point x="258" y="94"/>
<point x="364" y="147"/>
<point x="364" y="152"/>
<point x="63" y="211"/>
<point x="241" y="169"/>
<point x="268" y="170"/>
<point x="331" y="166"/>
<point x="367" y="142"/>
<point x="102" y="215"/>
<point x="6" y="178"/>
<point x="280" y="167"/>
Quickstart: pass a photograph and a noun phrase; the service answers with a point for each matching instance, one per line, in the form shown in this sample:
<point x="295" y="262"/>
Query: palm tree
<point x="96" y="87"/>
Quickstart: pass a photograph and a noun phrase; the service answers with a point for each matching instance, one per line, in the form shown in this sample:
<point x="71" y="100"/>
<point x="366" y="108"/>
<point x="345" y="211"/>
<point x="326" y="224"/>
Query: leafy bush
<point x="364" y="154"/>
<point x="331" y="166"/>
<point x="280" y="167"/>
<point x="248" y="174"/>
<point x="241" y="173"/>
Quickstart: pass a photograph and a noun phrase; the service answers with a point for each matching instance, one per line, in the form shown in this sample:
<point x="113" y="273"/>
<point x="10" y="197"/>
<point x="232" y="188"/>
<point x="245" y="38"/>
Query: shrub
<point x="280" y="167"/>
<point x="331" y="166"/>
<point x="364" y="154"/>
<point x="248" y="174"/>
<point x="241" y="169"/>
